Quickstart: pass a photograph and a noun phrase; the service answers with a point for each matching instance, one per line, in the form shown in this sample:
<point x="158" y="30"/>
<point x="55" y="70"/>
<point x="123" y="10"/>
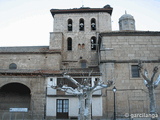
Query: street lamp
<point x="114" y="91"/>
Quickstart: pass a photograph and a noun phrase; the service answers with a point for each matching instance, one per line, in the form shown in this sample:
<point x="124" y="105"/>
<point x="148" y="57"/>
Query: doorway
<point x="62" y="108"/>
<point x="14" y="95"/>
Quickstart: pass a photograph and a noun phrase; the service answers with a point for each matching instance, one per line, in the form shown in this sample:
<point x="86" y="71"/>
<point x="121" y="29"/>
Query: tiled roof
<point x="26" y="49"/>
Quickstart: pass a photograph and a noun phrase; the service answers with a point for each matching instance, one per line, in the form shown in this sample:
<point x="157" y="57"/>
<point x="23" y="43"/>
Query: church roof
<point x="26" y="49"/>
<point x="106" y="8"/>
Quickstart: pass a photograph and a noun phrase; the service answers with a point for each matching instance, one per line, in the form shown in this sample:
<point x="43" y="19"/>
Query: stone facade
<point x="132" y="95"/>
<point x="61" y="34"/>
<point x="119" y="51"/>
<point x="133" y="46"/>
<point x="94" y="51"/>
<point x="30" y="63"/>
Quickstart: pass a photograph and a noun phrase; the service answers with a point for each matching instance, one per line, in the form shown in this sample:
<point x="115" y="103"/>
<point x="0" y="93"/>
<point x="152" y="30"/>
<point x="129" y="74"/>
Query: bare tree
<point x="84" y="92"/>
<point x="151" y="85"/>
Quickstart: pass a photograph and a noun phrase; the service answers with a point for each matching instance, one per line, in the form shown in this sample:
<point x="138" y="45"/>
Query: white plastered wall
<point x="73" y="106"/>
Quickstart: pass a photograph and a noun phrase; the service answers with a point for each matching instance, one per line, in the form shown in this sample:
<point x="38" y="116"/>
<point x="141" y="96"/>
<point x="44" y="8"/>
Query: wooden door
<point x="62" y="108"/>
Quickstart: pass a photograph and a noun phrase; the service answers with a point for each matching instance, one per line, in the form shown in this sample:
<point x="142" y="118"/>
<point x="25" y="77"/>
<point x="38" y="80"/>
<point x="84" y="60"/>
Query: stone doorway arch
<point x="14" y="95"/>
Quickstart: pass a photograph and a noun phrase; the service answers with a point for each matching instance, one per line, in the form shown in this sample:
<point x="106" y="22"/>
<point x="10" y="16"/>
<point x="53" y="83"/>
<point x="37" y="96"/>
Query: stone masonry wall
<point x="72" y="58"/>
<point x="103" y="22"/>
<point x="131" y="48"/>
<point x="31" y="61"/>
<point x="132" y="95"/>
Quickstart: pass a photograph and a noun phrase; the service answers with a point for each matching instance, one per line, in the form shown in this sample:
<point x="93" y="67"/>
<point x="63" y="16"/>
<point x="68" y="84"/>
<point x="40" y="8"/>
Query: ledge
<point x="81" y="10"/>
<point x="29" y="50"/>
<point x="131" y="33"/>
<point x="129" y="61"/>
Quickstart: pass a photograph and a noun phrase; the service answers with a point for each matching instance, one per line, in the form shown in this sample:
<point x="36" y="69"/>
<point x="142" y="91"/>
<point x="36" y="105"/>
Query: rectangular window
<point x="135" y="71"/>
<point x="83" y="64"/>
<point x="64" y="81"/>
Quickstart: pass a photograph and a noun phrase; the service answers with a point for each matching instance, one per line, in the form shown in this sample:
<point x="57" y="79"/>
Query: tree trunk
<point x="152" y="101"/>
<point x="81" y="107"/>
<point x="88" y="105"/>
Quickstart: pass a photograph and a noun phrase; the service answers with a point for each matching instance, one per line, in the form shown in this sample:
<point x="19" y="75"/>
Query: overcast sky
<point x="28" y="22"/>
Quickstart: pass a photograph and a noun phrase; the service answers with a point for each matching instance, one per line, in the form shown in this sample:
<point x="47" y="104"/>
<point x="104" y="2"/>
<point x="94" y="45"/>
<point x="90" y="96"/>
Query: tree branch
<point x="145" y="82"/>
<point x="72" y="80"/>
<point x="145" y="76"/>
<point x="155" y="70"/>
<point x="97" y="88"/>
<point x="101" y="86"/>
<point x="67" y="89"/>
<point x="70" y="90"/>
<point x="157" y="82"/>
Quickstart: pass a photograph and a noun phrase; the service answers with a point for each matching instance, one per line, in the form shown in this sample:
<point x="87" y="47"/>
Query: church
<point x="83" y="45"/>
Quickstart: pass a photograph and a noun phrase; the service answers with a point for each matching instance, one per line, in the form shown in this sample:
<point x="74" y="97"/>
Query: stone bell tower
<point x="126" y="22"/>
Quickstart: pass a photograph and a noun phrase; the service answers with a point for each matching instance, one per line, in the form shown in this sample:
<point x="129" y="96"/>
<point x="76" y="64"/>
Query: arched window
<point x="93" y="24"/>
<point x="83" y="46"/>
<point x="93" y="43"/>
<point x="69" y="25"/>
<point x="79" y="46"/>
<point x="81" y="24"/>
<point x="12" y="66"/>
<point x="69" y="43"/>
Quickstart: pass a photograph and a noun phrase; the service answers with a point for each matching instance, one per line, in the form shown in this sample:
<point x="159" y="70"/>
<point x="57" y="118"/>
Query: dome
<point x="126" y="22"/>
<point x="126" y="16"/>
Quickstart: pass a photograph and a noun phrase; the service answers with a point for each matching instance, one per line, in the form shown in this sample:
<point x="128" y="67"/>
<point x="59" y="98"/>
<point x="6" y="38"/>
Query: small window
<point x="79" y="46"/>
<point x="12" y="66"/>
<point x="93" y="43"/>
<point x="83" y="64"/>
<point x="69" y="44"/>
<point x="69" y="25"/>
<point x="93" y="24"/>
<point x="51" y="79"/>
<point x="131" y="23"/>
<point x="135" y="71"/>
<point x="125" y="22"/>
<point x="81" y="24"/>
<point x="83" y="46"/>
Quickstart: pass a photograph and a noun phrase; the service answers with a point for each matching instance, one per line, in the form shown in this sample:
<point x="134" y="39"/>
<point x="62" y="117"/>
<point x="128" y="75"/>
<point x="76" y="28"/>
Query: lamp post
<point x="114" y="91"/>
